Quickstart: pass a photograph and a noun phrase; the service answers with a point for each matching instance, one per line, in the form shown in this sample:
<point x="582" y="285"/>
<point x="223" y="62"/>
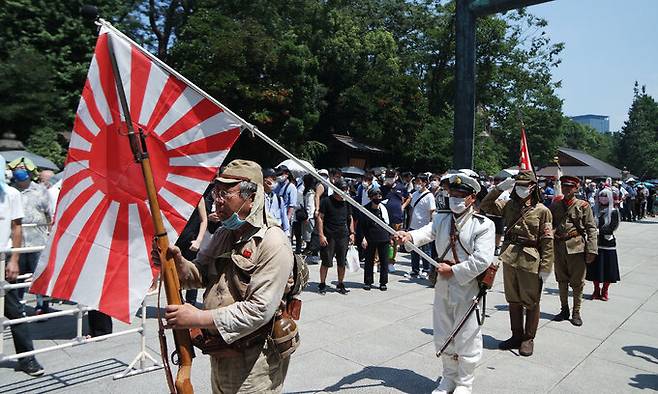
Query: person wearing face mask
<point x="274" y="204"/>
<point x="575" y="246"/>
<point x="375" y="240"/>
<point x="396" y="199"/>
<point x="287" y="191"/>
<point x="423" y="206"/>
<point x="605" y="268"/>
<point x="526" y="254"/>
<point x="245" y="268"/>
<point x="467" y="238"/>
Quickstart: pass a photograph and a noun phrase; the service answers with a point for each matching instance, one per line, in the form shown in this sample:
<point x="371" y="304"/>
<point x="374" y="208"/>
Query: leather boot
<point x="531" y="323"/>
<point x="516" y="323"/>
<point x="576" y="320"/>
<point x="563" y="315"/>
<point x="604" y="293"/>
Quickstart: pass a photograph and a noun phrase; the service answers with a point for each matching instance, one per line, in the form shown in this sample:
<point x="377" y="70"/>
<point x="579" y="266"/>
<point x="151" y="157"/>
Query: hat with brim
<point x="241" y="170"/>
<point x="464" y="183"/>
<point x="525" y="178"/>
<point x="567" y="180"/>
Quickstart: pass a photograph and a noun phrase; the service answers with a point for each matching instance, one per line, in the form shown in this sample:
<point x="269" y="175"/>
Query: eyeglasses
<point x="221" y="194"/>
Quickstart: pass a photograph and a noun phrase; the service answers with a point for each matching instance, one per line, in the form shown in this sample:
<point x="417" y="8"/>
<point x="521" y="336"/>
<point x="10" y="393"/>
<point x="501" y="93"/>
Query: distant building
<point x="598" y="122"/>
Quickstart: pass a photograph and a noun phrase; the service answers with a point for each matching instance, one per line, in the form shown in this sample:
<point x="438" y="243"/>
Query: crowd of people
<point x="459" y="218"/>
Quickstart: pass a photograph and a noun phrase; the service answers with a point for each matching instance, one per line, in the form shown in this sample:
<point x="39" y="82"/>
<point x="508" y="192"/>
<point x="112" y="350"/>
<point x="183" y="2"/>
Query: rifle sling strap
<point x="163" y="346"/>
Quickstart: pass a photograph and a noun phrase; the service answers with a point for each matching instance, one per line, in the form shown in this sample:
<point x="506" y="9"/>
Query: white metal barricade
<point x="137" y="366"/>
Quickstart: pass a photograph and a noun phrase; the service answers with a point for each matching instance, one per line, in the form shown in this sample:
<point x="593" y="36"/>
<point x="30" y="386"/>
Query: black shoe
<point x="382" y="287"/>
<point x="367" y="287"/>
<point x="576" y="320"/>
<point x="341" y="288"/>
<point x="322" y="288"/>
<point x="563" y="315"/>
<point x="30" y="366"/>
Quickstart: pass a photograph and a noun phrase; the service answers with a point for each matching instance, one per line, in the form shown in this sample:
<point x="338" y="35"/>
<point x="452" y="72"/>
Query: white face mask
<point x="281" y="178"/>
<point x="416" y="187"/>
<point x="434" y="184"/>
<point x="457" y="204"/>
<point x="522" y="191"/>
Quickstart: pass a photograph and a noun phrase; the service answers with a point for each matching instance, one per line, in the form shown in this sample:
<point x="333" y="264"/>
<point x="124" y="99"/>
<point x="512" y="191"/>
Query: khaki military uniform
<point x="245" y="280"/>
<point x="527" y="247"/>
<point x="526" y="255"/>
<point x="575" y="236"/>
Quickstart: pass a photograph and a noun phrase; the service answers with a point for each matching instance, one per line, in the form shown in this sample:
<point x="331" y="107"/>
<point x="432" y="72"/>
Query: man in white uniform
<point x="469" y="239"/>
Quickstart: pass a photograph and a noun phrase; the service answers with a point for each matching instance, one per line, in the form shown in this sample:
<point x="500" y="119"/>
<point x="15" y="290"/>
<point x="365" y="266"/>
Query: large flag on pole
<point x="99" y="247"/>
<point x="524" y="159"/>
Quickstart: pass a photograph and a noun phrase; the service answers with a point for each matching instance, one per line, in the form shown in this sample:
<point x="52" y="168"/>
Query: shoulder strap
<point x="521" y="216"/>
<point x="420" y="198"/>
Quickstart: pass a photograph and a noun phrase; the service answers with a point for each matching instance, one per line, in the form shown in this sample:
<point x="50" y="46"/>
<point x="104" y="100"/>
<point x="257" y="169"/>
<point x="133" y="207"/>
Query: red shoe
<point x="604" y="292"/>
<point x="596" y="295"/>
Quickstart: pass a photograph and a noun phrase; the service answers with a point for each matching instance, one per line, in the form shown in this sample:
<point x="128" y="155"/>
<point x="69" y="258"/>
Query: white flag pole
<point x="253" y="129"/>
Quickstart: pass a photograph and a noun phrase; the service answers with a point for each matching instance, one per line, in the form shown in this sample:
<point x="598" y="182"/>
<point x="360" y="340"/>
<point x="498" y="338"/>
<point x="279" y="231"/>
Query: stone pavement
<point x="381" y="342"/>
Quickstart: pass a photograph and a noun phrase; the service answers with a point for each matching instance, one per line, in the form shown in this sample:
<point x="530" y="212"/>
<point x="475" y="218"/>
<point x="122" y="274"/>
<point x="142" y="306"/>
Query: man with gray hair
<point x="245" y="268"/>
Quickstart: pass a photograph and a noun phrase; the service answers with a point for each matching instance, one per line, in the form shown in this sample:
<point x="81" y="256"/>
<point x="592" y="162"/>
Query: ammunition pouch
<point x="214" y="345"/>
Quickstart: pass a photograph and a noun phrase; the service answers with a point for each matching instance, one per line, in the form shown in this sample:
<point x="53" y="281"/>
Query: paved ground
<point x="380" y="342"/>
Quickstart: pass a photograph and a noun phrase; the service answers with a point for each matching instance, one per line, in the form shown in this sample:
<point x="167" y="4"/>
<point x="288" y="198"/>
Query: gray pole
<point x="464" y="86"/>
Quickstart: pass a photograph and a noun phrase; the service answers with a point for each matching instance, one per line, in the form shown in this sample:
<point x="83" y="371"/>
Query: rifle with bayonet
<point x="184" y="350"/>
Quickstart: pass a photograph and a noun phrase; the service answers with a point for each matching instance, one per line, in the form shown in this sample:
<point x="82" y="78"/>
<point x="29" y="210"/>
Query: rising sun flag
<point x="98" y="253"/>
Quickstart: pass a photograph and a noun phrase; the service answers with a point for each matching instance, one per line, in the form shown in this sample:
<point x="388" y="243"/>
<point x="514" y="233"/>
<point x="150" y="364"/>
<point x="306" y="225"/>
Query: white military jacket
<point x="475" y="251"/>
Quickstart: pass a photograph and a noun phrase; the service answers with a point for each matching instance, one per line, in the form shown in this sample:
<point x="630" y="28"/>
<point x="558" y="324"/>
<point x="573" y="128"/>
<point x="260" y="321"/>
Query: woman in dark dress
<point x="605" y="269"/>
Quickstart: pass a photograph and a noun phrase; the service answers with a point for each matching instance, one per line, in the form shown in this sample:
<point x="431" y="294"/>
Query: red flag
<point x="524" y="160"/>
<point x="99" y="247"/>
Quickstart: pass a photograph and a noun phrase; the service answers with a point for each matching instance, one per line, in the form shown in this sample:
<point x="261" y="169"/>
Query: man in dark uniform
<point x="526" y="254"/>
<point x="575" y="246"/>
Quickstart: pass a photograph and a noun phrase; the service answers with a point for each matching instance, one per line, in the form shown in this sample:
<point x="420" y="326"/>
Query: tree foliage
<point x="381" y="71"/>
<point x="638" y="147"/>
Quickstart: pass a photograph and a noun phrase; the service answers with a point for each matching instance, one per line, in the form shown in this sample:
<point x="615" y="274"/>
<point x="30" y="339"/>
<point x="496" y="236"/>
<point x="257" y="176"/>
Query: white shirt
<point x="422" y="208"/>
<point x="11" y="208"/>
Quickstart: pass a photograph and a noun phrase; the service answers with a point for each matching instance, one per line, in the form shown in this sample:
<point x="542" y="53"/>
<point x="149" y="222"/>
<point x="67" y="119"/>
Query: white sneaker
<point x="424" y="275"/>
<point x="445" y="386"/>
<point x="462" y="390"/>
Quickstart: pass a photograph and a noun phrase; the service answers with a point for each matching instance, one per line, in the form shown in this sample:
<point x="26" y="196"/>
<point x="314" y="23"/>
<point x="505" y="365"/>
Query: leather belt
<point x="567" y="236"/>
<point x="215" y="345"/>
<point x="520" y="241"/>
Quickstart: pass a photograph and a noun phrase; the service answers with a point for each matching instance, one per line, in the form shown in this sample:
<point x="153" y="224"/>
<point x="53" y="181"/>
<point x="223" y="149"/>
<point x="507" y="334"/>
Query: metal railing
<point x="137" y="366"/>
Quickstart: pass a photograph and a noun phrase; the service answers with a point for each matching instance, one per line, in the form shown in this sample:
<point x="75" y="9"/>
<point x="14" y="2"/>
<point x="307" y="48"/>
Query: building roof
<point x="590" y="116"/>
<point x="580" y="164"/>
<point x="356" y="145"/>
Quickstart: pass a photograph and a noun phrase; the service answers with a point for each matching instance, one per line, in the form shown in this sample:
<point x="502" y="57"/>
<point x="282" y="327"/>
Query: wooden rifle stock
<point x="169" y="275"/>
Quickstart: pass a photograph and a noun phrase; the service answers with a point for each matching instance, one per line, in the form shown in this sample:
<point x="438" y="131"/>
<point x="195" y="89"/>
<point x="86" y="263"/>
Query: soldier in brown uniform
<point x="575" y="246"/>
<point x="245" y="268"/>
<point x="526" y="254"/>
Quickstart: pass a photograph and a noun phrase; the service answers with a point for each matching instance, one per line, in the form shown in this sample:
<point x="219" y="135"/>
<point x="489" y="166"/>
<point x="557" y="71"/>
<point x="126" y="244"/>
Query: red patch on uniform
<point x="246" y="253"/>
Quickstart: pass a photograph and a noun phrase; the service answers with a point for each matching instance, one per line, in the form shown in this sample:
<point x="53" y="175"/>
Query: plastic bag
<point x="353" y="259"/>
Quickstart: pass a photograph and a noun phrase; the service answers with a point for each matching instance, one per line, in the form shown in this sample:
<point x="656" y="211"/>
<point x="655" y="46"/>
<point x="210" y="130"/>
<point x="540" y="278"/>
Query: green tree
<point x="638" y="147"/>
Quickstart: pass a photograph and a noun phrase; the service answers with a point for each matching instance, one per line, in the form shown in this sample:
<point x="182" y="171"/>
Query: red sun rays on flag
<point x="99" y="248"/>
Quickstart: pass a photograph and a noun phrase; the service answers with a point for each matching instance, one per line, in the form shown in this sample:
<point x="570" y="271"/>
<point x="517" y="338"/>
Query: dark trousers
<point x="99" y="323"/>
<point x="415" y="260"/>
<point x="297" y="233"/>
<point x="20" y="332"/>
<point x="382" y="249"/>
<point x="27" y="263"/>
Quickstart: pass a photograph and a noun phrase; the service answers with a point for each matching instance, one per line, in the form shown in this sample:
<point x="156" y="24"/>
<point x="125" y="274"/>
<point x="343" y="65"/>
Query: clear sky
<point x="609" y="44"/>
